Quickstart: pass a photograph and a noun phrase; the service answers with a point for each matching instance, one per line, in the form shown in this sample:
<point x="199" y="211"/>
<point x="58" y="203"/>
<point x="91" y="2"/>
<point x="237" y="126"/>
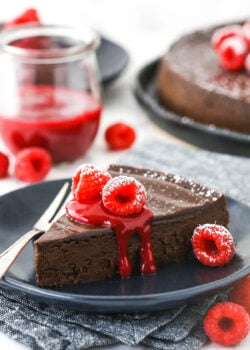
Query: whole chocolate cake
<point x="71" y="252"/>
<point x="192" y="83"/>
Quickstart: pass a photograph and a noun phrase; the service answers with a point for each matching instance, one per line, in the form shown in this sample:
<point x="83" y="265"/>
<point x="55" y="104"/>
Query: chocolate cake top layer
<point x="193" y="57"/>
<point x="168" y="196"/>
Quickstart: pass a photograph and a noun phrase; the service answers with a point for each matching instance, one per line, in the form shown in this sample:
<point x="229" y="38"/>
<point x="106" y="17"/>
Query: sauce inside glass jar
<point x="51" y="95"/>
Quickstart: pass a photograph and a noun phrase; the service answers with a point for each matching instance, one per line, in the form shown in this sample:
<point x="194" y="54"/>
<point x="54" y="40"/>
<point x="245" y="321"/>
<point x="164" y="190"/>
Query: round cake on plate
<point x="192" y="83"/>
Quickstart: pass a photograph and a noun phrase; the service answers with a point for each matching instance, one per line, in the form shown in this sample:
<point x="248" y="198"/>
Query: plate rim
<point x="106" y="79"/>
<point x="56" y="295"/>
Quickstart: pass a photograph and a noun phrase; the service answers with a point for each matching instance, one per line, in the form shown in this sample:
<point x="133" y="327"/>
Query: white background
<point x="145" y="28"/>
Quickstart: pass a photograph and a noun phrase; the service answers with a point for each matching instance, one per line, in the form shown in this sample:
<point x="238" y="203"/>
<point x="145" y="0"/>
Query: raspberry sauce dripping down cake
<point x="122" y="209"/>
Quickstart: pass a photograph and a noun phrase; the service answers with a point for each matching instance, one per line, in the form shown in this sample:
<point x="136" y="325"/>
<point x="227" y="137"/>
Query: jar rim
<point x="87" y="40"/>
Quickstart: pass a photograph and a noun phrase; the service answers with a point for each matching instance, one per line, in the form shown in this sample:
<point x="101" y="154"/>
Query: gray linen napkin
<point x="44" y="327"/>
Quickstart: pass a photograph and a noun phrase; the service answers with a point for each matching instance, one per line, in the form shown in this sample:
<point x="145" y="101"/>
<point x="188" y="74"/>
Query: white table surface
<point x="145" y="28"/>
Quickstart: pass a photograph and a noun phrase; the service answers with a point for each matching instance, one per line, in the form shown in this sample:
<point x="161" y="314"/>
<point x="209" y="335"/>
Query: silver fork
<point x="57" y="207"/>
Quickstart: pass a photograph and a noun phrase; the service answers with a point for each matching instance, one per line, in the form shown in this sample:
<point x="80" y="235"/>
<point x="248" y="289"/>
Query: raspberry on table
<point x="227" y="323"/>
<point x="124" y="195"/>
<point x="240" y="294"/>
<point x="4" y="165"/>
<point x="28" y="16"/>
<point x="232" y="53"/>
<point x="213" y="245"/>
<point x="88" y="182"/>
<point x="32" y="164"/>
<point x="225" y="32"/>
<point x="120" y="136"/>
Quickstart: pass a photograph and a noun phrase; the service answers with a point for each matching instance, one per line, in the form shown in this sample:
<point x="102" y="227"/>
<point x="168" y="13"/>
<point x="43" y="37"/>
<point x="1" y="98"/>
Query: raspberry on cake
<point x="88" y="182"/>
<point x="246" y="31"/>
<point x="4" y="165"/>
<point x="91" y="242"/>
<point x="232" y="53"/>
<point x="124" y="195"/>
<point x="223" y="33"/>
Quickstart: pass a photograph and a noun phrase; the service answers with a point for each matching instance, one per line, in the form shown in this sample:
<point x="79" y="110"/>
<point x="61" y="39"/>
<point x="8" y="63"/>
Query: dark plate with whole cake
<point x="191" y="96"/>
<point x="172" y="285"/>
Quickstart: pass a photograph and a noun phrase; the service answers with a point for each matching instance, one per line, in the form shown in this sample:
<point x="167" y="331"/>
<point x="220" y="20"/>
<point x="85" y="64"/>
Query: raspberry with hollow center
<point x="28" y="16"/>
<point x="240" y="294"/>
<point x="88" y="182"/>
<point x="120" y="136"/>
<point x="213" y="245"/>
<point x="225" y="32"/>
<point x="4" y="165"/>
<point x="32" y="164"/>
<point x="227" y="323"/>
<point x="124" y="195"/>
<point x="232" y="53"/>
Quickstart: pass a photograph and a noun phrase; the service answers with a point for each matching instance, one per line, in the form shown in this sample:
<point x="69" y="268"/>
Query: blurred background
<point x="145" y="28"/>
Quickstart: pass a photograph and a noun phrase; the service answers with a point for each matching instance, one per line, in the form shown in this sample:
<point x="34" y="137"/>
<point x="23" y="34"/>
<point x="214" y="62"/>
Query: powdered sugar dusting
<point x="223" y="249"/>
<point x="88" y="181"/>
<point x="124" y="186"/>
<point x="194" y="187"/>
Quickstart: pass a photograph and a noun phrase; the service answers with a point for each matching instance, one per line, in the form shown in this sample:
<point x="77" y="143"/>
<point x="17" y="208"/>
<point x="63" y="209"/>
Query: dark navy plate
<point x="202" y="135"/>
<point x="112" y="60"/>
<point x="172" y="285"/>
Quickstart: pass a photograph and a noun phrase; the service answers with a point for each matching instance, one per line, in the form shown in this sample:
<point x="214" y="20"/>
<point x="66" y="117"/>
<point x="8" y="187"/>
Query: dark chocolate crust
<point x="191" y="83"/>
<point x="71" y="252"/>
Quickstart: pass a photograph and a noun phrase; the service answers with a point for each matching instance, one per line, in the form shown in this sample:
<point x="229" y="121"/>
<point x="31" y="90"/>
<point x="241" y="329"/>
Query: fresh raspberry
<point x="232" y="53"/>
<point x="4" y="165"/>
<point x="240" y="294"/>
<point x="88" y="182"/>
<point x="124" y="195"/>
<point x="28" y="16"/>
<point x="213" y="245"/>
<point x="227" y="323"/>
<point x="120" y="136"/>
<point x="225" y="32"/>
<point x="32" y="164"/>
<point x="246" y="32"/>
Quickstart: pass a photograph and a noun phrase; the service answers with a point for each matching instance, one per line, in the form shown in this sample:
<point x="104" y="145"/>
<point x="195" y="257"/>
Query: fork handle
<point x="10" y="254"/>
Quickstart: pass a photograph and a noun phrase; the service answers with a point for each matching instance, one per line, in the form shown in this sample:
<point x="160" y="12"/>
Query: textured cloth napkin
<point x="39" y="326"/>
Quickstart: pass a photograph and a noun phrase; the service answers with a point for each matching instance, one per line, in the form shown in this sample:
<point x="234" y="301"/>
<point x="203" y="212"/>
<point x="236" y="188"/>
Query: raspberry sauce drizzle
<point x="93" y="213"/>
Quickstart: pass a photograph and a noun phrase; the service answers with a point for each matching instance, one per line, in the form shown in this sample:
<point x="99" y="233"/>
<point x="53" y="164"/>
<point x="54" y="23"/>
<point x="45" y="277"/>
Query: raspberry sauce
<point x="61" y="120"/>
<point x="94" y="213"/>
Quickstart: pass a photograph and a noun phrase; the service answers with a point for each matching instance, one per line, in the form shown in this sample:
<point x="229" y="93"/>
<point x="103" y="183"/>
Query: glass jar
<point x="49" y="89"/>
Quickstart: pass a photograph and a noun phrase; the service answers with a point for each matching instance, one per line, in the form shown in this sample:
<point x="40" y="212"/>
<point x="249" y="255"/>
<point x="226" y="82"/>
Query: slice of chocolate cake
<point x="71" y="252"/>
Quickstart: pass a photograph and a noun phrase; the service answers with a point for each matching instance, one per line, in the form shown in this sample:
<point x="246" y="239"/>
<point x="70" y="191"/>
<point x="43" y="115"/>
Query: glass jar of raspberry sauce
<point x="49" y="89"/>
